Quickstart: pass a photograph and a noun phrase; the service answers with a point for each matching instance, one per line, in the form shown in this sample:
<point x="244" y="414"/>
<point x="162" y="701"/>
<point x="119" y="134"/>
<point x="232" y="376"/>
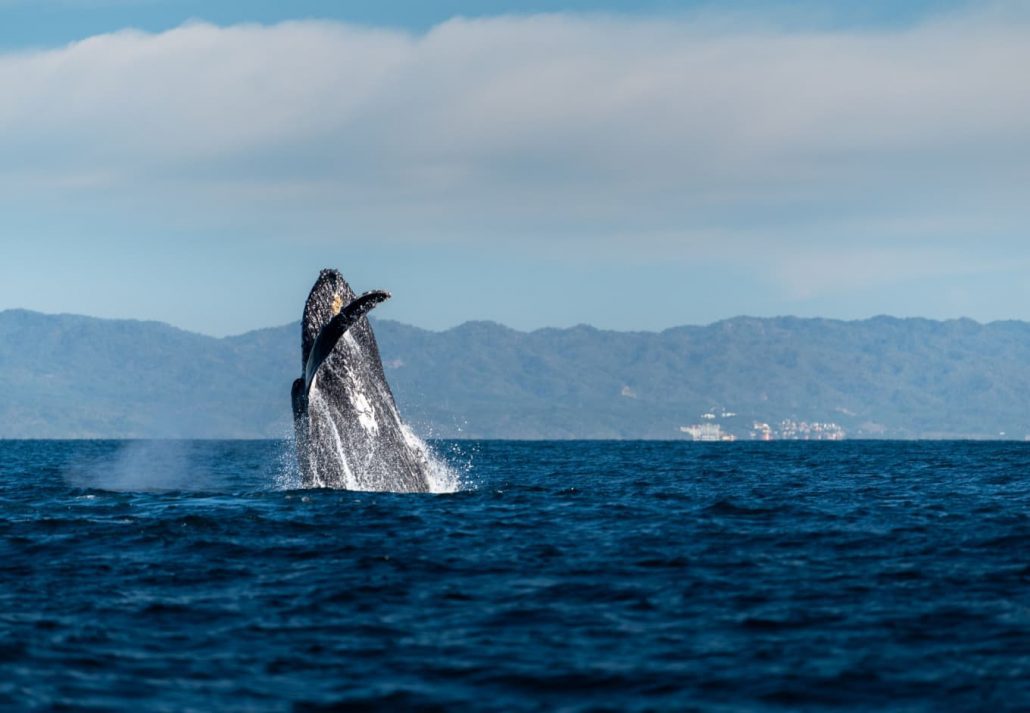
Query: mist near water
<point x="154" y="466"/>
<point x="169" y="466"/>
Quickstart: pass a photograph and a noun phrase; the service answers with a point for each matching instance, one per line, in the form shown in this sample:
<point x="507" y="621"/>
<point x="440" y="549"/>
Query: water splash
<point x="443" y="477"/>
<point x="287" y="475"/>
<point x="374" y="471"/>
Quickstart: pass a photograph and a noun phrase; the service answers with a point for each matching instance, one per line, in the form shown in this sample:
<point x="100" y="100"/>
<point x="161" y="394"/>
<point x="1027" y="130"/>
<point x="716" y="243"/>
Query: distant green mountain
<point x="65" y="376"/>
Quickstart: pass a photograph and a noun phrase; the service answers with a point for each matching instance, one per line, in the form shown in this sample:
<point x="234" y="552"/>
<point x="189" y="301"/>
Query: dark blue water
<point x="573" y="576"/>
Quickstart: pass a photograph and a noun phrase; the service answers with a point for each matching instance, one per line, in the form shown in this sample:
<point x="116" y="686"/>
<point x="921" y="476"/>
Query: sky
<point x="633" y="166"/>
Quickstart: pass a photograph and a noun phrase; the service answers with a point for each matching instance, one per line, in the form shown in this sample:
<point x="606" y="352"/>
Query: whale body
<point x="349" y="433"/>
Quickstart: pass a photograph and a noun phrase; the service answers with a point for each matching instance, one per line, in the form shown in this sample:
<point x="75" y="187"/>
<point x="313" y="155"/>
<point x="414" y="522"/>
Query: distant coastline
<point x="71" y="376"/>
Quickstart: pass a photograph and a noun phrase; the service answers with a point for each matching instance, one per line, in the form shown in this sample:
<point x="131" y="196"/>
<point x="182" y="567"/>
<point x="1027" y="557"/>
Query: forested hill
<point x="65" y="376"/>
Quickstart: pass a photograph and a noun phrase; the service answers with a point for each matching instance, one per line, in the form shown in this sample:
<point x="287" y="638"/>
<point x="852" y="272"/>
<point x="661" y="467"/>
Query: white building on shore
<point x="708" y="432"/>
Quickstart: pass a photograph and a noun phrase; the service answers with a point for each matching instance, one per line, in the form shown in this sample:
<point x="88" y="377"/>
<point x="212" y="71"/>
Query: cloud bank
<point x="614" y="138"/>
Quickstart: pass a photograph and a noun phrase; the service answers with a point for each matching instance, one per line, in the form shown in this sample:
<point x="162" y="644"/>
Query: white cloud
<point x="610" y="135"/>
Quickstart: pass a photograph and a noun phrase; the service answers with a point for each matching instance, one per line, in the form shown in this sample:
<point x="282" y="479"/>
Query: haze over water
<point x="572" y="575"/>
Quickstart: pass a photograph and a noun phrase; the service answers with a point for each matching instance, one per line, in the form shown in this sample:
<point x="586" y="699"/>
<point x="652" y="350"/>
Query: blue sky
<point x="50" y="22"/>
<point x="629" y="165"/>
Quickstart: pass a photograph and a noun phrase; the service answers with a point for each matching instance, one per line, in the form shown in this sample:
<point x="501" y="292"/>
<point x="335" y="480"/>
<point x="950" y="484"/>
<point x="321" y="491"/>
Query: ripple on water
<point x="572" y="576"/>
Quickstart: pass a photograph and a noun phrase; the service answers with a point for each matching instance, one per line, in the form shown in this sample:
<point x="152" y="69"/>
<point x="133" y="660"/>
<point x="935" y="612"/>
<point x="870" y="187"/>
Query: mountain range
<point x="68" y="376"/>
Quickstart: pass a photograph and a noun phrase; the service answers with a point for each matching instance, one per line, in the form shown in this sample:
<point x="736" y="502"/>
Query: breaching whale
<point x="348" y="431"/>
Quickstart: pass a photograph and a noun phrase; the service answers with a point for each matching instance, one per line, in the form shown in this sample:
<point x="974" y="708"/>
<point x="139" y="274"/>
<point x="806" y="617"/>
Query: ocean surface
<point x="175" y="576"/>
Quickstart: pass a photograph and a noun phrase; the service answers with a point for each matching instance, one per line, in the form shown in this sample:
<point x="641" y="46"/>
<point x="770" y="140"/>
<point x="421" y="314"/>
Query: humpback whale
<point x="349" y="433"/>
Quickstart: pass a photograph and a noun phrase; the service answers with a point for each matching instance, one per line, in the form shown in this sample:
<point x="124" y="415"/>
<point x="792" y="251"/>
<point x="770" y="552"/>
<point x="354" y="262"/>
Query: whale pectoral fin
<point x="334" y="329"/>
